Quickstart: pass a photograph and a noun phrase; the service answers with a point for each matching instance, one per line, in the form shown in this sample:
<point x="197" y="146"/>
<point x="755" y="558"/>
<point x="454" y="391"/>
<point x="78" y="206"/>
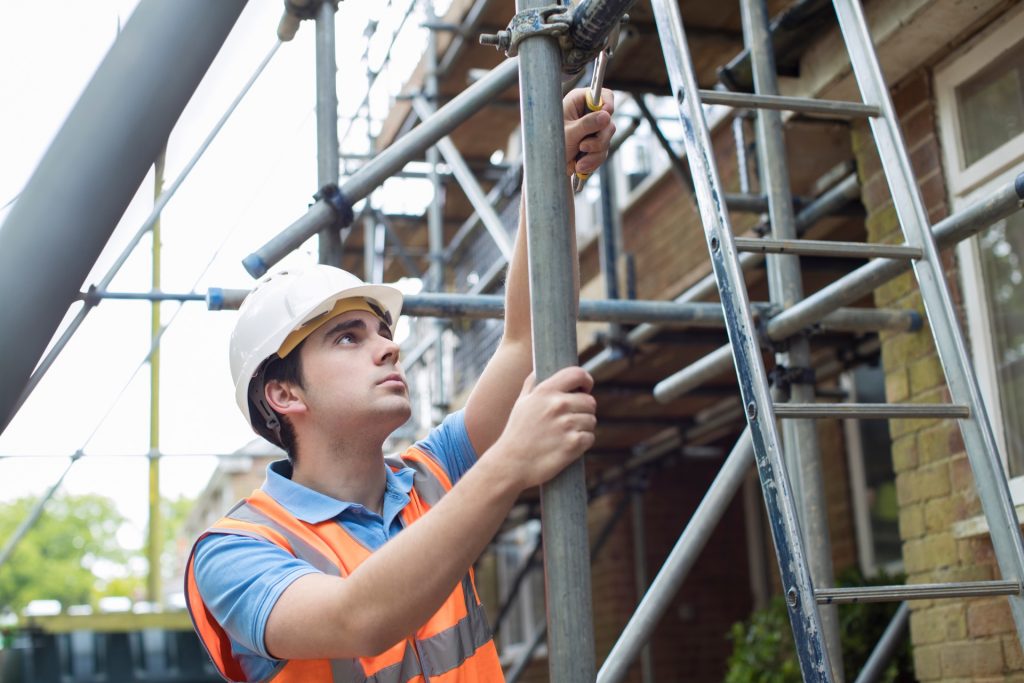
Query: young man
<point x="348" y="566"/>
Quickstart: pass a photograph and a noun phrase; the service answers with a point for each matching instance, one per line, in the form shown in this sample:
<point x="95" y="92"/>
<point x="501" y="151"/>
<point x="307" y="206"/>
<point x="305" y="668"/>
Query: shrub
<point x="763" y="649"/>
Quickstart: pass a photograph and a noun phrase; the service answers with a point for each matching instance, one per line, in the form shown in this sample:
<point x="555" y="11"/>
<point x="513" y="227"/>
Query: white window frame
<point x="967" y="184"/>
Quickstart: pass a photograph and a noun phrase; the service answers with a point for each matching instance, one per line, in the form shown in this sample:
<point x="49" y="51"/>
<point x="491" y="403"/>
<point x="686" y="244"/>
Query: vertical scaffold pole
<point x="327" y="151"/>
<point x="799" y="437"/>
<point x="435" y="223"/>
<point x="553" y="306"/>
<point x="153" y="592"/>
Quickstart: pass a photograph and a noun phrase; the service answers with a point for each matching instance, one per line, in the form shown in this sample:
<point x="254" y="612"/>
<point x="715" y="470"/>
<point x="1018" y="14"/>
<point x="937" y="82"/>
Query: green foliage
<point x="174" y="513"/>
<point x="763" y="649"/>
<point x="55" y="559"/>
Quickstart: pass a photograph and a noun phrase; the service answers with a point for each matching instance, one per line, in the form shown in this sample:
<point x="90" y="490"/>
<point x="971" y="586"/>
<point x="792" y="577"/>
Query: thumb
<point x="529" y="384"/>
<point x="576" y="130"/>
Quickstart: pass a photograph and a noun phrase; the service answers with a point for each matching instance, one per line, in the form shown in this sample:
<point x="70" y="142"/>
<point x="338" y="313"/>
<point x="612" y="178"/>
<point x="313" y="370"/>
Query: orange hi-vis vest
<point x="455" y="644"/>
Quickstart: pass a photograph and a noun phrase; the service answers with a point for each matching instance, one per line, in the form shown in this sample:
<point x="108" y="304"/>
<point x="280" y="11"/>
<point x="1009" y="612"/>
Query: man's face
<point x="352" y="376"/>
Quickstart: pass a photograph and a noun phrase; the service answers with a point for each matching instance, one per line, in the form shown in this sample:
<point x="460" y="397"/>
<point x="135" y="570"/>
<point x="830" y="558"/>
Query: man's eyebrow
<point x="353" y="324"/>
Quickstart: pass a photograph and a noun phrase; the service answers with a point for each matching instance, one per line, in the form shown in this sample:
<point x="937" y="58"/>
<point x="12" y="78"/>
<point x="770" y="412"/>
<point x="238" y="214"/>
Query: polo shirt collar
<point x="314" y="507"/>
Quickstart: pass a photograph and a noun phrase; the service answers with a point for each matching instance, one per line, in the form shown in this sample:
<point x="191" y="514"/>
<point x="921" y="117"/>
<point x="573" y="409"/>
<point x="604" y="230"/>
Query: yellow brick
<point x="906" y="491"/>
<point x="926" y="373"/>
<point x="1012" y="654"/>
<point x="938" y="550"/>
<point x="989" y="617"/>
<point x="939" y="514"/>
<point x="972" y="658"/>
<point x="912" y="522"/>
<point x="939" y="624"/>
<point x="904" y="453"/>
<point x="933" y="443"/>
<point x="882" y="222"/>
<point x="928" y="662"/>
<point x="897" y="385"/>
<point x="895" y="289"/>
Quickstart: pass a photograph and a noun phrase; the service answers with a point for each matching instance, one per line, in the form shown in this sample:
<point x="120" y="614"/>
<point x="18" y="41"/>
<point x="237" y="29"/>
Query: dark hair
<point x="287" y="369"/>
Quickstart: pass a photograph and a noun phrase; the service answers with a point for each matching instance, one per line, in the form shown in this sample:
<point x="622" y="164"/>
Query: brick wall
<point x="953" y="639"/>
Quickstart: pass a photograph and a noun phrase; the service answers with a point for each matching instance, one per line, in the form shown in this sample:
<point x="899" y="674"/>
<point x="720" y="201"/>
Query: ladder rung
<point x="920" y="591"/>
<point x="805" y="105"/>
<point x="870" y="411"/>
<point x="826" y="248"/>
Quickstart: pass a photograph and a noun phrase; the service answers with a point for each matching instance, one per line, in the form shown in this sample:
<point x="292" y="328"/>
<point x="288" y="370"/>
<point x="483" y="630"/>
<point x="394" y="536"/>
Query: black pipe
<point x="592" y="21"/>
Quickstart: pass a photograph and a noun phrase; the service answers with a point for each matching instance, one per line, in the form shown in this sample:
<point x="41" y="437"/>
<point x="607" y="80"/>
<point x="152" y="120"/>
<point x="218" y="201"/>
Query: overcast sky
<point x="255" y="179"/>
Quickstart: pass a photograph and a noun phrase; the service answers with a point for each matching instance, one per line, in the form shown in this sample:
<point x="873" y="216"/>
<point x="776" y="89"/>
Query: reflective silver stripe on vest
<point x="350" y="671"/>
<point x="429" y="487"/>
<point x="303" y="551"/>
<point x="451" y="647"/>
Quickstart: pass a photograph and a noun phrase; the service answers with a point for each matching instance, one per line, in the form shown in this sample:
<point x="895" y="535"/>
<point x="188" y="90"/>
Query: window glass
<point x="1001" y="251"/>
<point x="991" y="106"/>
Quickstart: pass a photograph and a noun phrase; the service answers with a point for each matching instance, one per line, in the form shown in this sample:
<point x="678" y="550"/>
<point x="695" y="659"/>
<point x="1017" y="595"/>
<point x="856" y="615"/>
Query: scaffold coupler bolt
<point x="550" y="20"/>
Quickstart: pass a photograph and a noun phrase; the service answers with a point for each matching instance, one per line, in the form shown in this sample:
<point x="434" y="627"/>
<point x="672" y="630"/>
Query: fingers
<point x="595" y="150"/>
<point x="574" y="105"/>
<point x="580" y="128"/>
<point x="569" y="379"/>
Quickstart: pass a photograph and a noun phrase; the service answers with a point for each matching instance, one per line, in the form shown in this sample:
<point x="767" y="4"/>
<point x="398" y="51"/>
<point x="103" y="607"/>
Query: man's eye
<point x="347" y="338"/>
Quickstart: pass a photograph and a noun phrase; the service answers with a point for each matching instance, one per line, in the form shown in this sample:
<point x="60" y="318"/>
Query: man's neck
<point x="353" y="472"/>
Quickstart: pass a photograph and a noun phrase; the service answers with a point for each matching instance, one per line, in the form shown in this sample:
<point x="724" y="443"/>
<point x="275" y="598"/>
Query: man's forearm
<point x="517" y="283"/>
<point x="399" y="586"/>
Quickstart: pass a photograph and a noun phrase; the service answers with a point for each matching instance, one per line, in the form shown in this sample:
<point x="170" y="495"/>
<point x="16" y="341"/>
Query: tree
<point x="55" y="559"/>
<point x="175" y="546"/>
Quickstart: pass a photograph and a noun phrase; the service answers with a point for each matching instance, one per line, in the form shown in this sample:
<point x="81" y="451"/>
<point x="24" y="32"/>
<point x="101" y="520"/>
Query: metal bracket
<point x="333" y="195"/>
<point x="550" y="20"/>
<point x="783" y="378"/>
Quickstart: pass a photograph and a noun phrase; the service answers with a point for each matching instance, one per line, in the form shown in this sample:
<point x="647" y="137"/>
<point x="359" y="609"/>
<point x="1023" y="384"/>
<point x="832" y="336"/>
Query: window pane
<point x="991" y="106"/>
<point x="1002" y="251"/>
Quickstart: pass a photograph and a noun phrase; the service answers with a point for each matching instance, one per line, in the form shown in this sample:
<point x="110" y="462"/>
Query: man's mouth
<point x="393" y="377"/>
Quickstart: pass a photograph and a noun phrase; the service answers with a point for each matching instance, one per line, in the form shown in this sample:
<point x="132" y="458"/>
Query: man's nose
<point x="387" y="350"/>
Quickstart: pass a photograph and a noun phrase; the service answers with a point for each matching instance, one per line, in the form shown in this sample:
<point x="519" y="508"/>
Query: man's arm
<point x="402" y="584"/>
<point x="488" y="406"/>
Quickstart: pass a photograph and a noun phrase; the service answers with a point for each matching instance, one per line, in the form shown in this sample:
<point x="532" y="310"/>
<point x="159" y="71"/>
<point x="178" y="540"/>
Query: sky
<point x="255" y="179"/>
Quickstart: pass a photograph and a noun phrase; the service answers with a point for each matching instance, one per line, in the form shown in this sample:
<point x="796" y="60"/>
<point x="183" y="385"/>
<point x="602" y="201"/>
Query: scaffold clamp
<point x="333" y="195"/>
<point x="550" y="20"/>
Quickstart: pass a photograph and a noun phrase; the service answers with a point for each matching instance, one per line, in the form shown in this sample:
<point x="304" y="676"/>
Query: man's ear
<point x="284" y="398"/>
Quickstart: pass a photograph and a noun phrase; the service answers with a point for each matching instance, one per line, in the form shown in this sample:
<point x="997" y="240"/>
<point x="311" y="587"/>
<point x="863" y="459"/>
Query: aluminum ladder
<point x="761" y="411"/>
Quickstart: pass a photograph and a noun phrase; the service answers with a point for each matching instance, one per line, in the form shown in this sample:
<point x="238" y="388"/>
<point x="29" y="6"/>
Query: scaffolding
<point x="787" y="322"/>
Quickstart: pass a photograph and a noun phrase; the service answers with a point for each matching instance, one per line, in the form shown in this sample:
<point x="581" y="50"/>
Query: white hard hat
<point x="288" y="302"/>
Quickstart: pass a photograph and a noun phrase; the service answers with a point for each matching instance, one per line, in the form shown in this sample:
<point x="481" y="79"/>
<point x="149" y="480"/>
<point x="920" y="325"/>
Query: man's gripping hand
<point x="550" y="426"/>
<point x="589" y="132"/>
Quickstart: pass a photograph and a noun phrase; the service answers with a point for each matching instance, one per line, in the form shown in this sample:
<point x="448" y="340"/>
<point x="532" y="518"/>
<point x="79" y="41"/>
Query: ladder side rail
<point x="801" y="447"/>
<point x="753" y="382"/>
<point x="979" y="440"/>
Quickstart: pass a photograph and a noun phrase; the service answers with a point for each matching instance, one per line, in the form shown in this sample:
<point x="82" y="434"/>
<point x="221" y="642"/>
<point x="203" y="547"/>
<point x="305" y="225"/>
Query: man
<point x="348" y="566"/>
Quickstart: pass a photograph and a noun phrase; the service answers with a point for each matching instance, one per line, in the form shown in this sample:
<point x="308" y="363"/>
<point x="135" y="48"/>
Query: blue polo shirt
<point x="241" y="578"/>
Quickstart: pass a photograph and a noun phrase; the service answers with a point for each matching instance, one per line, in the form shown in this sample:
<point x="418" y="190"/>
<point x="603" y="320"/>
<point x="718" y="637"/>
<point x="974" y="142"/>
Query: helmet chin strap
<point x="258" y="400"/>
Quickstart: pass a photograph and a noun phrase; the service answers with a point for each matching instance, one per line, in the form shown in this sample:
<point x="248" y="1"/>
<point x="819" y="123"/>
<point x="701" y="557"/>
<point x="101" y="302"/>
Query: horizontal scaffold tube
<point x="625" y="311"/>
<point x="386" y="164"/>
<point x="602" y="365"/>
<point x="849" y="288"/>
